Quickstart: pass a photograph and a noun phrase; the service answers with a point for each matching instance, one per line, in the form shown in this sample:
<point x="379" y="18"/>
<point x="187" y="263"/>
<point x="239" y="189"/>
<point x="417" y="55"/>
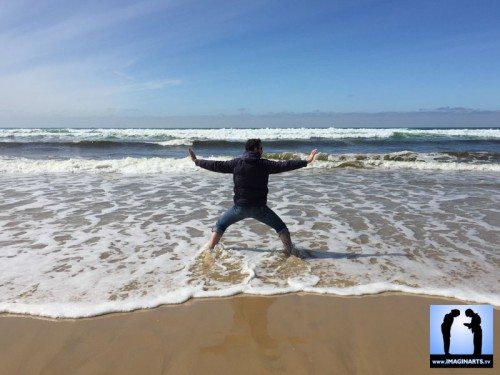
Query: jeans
<point x="236" y="213"/>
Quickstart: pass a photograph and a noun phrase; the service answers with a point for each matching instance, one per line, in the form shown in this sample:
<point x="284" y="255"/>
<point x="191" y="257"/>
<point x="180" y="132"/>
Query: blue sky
<point x="205" y="59"/>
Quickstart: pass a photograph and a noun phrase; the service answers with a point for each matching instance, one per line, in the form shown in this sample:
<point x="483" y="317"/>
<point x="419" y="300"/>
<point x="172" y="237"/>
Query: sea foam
<point x="83" y="244"/>
<point x="156" y="165"/>
<point x="187" y="136"/>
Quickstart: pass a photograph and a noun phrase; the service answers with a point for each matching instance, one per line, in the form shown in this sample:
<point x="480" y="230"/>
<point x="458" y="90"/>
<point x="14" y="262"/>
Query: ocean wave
<point x="129" y="165"/>
<point x="188" y="136"/>
<point x="86" y="144"/>
<point x="96" y="244"/>
<point x="217" y="144"/>
<point x="75" y="310"/>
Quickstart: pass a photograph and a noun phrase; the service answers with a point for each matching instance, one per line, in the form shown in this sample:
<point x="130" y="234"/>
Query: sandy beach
<point x="249" y="187"/>
<point x="293" y="334"/>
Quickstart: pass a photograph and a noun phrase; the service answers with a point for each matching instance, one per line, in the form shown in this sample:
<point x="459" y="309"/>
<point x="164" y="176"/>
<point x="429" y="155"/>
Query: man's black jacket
<point x="250" y="175"/>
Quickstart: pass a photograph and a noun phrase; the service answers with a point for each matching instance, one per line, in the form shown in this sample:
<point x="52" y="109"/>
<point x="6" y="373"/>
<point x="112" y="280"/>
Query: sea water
<point x="101" y="220"/>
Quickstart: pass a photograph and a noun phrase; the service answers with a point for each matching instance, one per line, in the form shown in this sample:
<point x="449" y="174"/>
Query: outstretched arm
<point x="212" y="165"/>
<point x="311" y="156"/>
<point x="192" y="154"/>
<point x="290" y="165"/>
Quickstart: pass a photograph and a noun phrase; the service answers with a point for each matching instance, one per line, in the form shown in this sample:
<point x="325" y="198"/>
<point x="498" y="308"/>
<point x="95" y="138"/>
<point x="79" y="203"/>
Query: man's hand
<point x="311" y="156"/>
<point x="192" y="154"/>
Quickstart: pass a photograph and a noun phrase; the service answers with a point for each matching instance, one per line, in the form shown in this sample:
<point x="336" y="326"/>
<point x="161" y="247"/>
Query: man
<point x="250" y="176"/>
<point x="477" y="331"/>
<point x="446" y="329"/>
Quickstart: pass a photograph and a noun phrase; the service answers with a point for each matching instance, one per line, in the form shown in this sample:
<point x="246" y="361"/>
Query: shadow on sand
<point x="335" y="255"/>
<point x="322" y="254"/>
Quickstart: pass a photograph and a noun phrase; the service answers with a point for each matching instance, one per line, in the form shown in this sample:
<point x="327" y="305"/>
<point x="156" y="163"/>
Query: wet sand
<point x="292" y="334"/>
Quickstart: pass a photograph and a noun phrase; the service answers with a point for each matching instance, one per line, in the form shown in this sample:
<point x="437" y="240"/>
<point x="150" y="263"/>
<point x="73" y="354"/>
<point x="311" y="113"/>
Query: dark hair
<point x="251" y="144"/>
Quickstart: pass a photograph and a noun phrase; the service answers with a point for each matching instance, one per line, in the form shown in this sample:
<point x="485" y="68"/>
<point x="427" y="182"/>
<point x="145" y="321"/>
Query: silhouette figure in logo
<point x="446" y="329"/>
<point x="477" y="331"/>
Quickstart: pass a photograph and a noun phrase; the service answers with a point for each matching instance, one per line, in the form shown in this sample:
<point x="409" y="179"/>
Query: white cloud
<point x="20" y="45"/>
<point x="70" y="89"/>
<point x="151" y="85"/>
<point x="38" y="78"/>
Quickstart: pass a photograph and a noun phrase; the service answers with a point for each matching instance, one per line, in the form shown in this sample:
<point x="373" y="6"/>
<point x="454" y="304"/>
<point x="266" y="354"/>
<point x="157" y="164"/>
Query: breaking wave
<point x="448" y="161"/>
<point x="188" y="136"/>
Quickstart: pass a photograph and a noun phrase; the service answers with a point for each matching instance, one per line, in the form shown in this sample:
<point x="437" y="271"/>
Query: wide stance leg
<point x="267" y="216"/>
<point x="214" y="240"/>
<point x="287" y="242"/>
<point x="231" y="216"/>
